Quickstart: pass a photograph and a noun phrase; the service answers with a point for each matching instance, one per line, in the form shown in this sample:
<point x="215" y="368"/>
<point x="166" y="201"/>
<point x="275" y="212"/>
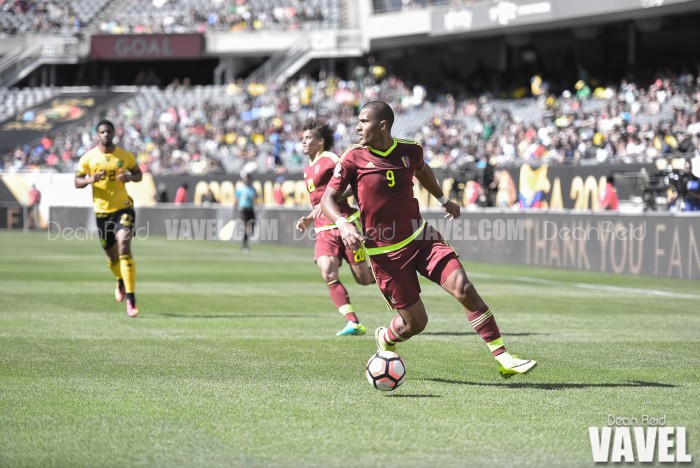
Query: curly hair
<point x="321" y="129"/>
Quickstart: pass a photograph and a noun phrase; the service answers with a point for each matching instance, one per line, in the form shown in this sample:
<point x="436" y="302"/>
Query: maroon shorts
<point x="396" y="272"/>
<point x="329" y="243"/>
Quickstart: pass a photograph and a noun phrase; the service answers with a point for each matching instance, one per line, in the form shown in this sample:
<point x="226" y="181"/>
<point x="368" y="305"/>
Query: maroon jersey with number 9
<point x="383" y="184"/>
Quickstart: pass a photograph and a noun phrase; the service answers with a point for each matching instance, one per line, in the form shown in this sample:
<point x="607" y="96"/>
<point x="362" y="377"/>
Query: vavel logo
<point x="622" y="440"/>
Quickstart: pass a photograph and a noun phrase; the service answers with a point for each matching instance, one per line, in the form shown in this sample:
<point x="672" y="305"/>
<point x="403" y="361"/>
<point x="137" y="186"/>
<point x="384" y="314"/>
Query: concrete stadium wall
<point x="661" y="245"/>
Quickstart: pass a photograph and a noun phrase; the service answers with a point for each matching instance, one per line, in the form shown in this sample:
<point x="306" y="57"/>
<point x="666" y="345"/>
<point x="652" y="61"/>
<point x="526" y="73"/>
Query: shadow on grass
<point x="464" y="333"/>
<point x="231" y="316"/>
<point x="412" y="395"/>
<point x="556" y="386"/>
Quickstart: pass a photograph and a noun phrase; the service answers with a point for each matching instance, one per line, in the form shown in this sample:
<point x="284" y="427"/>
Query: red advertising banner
<point x="146" y="47"/>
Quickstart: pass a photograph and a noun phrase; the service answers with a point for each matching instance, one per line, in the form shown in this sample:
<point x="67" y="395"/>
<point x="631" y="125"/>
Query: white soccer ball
<point x="385" y="371"/>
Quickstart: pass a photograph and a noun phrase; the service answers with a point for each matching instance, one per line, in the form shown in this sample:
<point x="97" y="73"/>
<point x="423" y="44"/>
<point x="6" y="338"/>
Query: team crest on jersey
<point x="120" y="163"/>
<point x="369" y="165"/>
<point x="318" y="168"/>
<point x="405" y="161"/>
<point x="336" y="171"/>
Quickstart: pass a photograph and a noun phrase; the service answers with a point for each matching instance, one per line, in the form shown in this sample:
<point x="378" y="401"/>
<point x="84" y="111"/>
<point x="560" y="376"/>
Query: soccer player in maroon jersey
<point x="329" y="249"/>
<point x="380" y="170"/>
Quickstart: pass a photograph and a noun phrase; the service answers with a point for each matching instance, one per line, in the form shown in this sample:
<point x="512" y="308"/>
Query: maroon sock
<point x="391" y="336"/>
<point x="339" y="295"/>
<point x="485" y="325"/>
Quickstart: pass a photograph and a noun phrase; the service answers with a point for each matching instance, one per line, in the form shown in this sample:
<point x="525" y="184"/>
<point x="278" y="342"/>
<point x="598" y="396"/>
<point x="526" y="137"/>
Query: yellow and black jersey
<point x="108" y="194"/>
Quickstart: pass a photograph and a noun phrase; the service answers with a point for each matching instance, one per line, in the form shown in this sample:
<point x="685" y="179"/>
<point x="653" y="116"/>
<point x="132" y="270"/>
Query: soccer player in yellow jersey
<point x="108" y="168"/>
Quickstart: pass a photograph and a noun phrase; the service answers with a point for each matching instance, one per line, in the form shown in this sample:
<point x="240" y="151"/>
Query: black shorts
<point x="248" y="215"/>
<point x="108" y="224"/>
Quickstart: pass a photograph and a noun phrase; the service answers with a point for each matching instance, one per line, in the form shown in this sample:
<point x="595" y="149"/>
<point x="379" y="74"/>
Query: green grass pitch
<point x="234" y="362"/>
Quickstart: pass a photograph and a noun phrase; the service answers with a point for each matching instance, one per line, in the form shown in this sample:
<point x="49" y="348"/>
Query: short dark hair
<point x="321" y="129"/>
<point x="382" y="111"/>
<point x="105" y="122"/>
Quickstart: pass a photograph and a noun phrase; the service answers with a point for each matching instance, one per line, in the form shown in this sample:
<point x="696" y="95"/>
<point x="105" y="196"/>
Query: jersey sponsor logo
<point x="369" y="165"/>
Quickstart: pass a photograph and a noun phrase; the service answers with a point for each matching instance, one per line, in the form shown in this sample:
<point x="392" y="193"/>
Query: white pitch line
<point x="599" y="287"/>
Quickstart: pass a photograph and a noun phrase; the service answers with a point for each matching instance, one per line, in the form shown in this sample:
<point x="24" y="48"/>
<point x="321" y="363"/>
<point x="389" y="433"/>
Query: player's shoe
<point x="511" y="365"/>
<point x="352" y="328"/>
<point x="131" y="309"/>
<point x="119" y="291"/>
<point x="379" y="339"/>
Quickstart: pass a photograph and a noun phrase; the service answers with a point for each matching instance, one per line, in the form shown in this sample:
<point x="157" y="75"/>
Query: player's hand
<point x="452" y="210"/>
<point x="351" y="236"/>
<point x="124" y="176"/>
<point x="303" y="223"/>
<point x="98" y="176"/>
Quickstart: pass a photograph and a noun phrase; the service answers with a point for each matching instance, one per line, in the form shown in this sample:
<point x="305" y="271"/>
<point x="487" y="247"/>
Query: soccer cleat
<point x="379" y="339"/>
<point x="352" y="328"/>
<point x="511" y="365"/>
<point x="119" y="291"/>
<point x="131" y="309"/>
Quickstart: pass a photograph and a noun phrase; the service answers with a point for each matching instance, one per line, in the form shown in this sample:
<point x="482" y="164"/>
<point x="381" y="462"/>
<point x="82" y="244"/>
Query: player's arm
<point x="306" y="220"/>
<point x="427" y="179"/>
<point x="83" y="179"/>
<point x="346" y="194"/>
<point x="329" y="204"/>
<point x="132" y="175"/>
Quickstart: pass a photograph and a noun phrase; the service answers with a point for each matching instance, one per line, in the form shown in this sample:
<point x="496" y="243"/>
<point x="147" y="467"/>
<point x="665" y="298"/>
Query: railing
<point x="313" y="44"/>
<point x="22" y="61"/>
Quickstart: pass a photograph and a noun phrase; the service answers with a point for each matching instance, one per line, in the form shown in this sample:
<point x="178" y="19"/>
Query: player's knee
<point x="329" y="277"/>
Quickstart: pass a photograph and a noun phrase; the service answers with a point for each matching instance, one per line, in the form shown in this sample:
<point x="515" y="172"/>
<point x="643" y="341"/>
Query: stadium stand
<point x="165" y="16"/>
<point x="56" y="16"/>
<point x="136" y="17"/>
<point x="200" y="129"/>
<point x="14" y="101"/>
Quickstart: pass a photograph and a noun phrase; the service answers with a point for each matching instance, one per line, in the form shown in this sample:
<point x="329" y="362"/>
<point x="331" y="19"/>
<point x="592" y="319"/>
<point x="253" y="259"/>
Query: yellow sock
<point x="128" y="268"/>
<point x="116" y="268"/>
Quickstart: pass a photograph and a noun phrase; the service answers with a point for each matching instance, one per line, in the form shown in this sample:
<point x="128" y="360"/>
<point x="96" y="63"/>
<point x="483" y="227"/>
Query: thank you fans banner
<point x="147" y="47"/>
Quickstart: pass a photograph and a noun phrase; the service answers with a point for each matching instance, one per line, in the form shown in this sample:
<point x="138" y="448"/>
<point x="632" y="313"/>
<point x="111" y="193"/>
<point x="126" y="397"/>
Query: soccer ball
<point x="385" y="371"/>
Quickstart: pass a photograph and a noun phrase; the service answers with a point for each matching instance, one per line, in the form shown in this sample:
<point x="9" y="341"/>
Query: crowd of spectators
<point x="165" y="16"/>
<point x="384" y="6"/>
<point x="626" y="124"/>
<point x="177" y="16"/>
<point x="200" y="129"/>
<point x="33" y="16"/>
<point x="64" y="17"/>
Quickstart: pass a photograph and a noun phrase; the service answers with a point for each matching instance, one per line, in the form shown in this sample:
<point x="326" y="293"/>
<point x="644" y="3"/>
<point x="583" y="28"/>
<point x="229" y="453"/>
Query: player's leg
<point x="439" y="262"/>
<point x="124" y="227"/>
<point x="482" y="320"/>
<point x="248" y="216"/>
<point x="329" y="265"/>
<point x="409" y="322"/>
<point x="359" y="266"/>
<point x="108" y="241"/>
<point x="116" y="269"/>
<point x="397" y="280"/>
